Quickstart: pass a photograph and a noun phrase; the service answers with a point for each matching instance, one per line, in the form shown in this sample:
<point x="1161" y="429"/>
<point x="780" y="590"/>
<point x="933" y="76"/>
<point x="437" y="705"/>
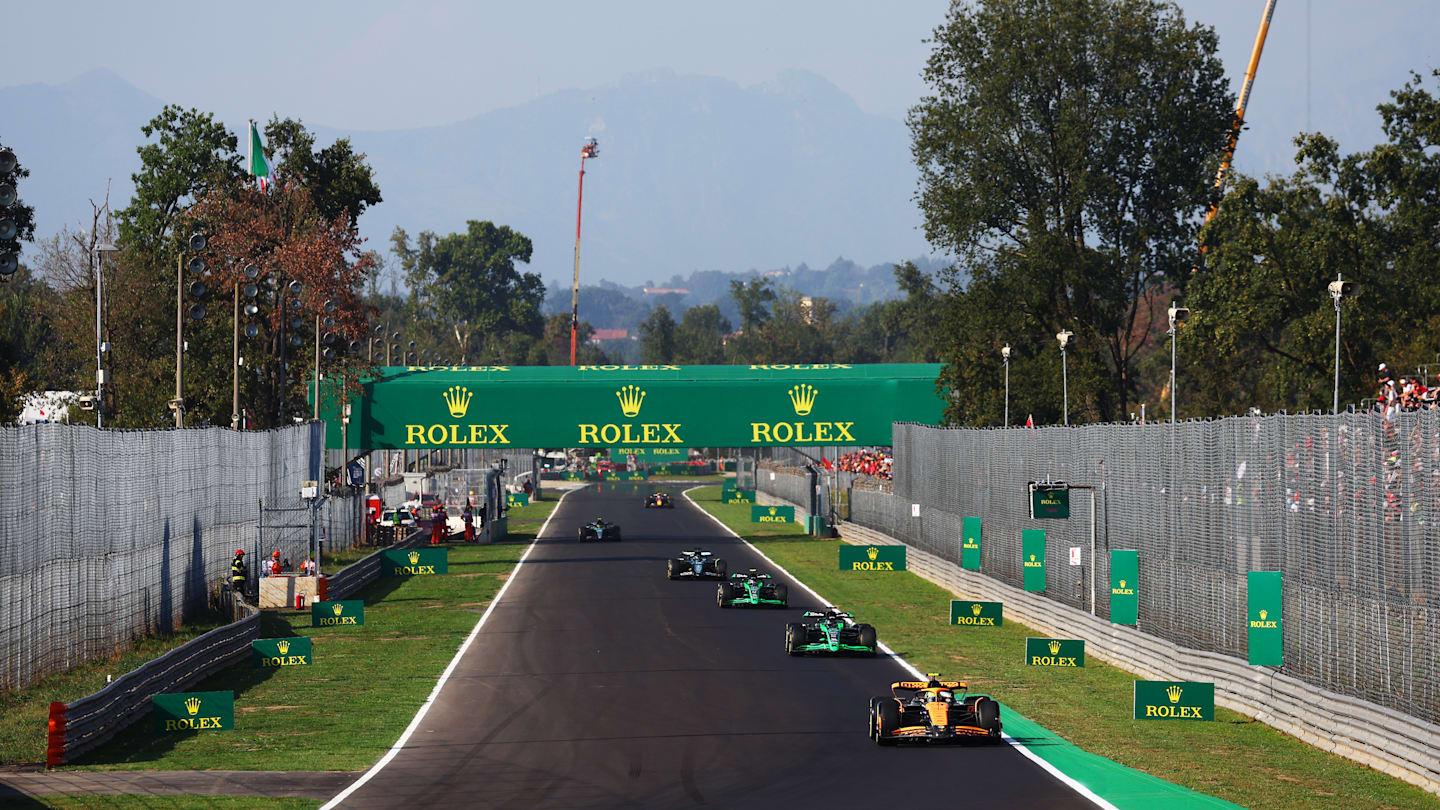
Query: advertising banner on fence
<point x="332" y="614"/>
<point x="1055" y="652"/>
<point x="1032" y="558"/>
<point x="194" y="711"/>
<point x="1266" y="597"/>
<point x="414" y="562"/>
<point x="772" y="514"/>
<point x="1049" y="504"/>
<point x="514" y="499"/>
<point x="739" y="496"/>
<point x="1124" y="587"/>
<point x="970" y="543"/>
<point x="976" y="614"/>
<point x="625" y="475"/>
<point x="1181" y="700"/>
<point x="650" y="455"/>
<point x="872" y="558"/>
<point x="281" y="652"/>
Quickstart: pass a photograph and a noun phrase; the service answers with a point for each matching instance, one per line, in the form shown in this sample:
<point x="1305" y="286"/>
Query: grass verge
<point x="24" y="712"/>
<point x="365" y="684"/>
<point x="166" y="802"/>
<point x="1234" y="758"/>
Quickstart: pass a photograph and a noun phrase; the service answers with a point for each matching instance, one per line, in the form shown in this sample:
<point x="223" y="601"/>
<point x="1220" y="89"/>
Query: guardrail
<point x="83" y="724"/>
<point x="1397" y="744"/>
<point x="88" y="722"/>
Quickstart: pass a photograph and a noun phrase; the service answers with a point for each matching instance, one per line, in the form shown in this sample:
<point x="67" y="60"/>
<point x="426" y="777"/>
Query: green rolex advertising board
<point x="739" y="496"/>
<point x="649" y="455"/>
<point x="772" y="514"/>
<point x="970" y="544"/>
<point x="517" y="499"/>
<point x="194" y="711"/>
<point x="1055" y="652"/>
<point x="1124" y="587"/>
<point x="414" y="562"/>
<point x="1180" y="700"/>
<point x="268" y="653"/>
<point x="337" y="614"/>
<point x="871" y="558"/>
<point x="1049" y="504"/>
<point x="572" y="475"/>
<point x="635" y="406"/>
<point x="1032" y="558"/>
<point x="976" y="614"/>
<point x="1265" y="596"/>
<point x="625" y="475"/>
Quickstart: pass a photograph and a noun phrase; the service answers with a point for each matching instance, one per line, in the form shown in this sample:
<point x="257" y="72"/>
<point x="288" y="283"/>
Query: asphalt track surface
<point x="598" y="683"/>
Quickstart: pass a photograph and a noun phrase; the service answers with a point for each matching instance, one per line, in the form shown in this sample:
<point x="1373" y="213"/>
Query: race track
<point x="598" y="683"/>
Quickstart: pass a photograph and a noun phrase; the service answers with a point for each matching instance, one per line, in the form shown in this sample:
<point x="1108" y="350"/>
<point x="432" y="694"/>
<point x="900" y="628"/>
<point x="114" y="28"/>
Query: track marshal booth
<point x="652" y="406"/>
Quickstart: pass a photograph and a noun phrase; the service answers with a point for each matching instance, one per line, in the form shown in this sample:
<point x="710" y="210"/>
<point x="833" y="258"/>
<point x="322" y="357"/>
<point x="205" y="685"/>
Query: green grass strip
<point x="125" y="801"/>
<point x="1234" y="758"/>
<point x="346" y="709"/>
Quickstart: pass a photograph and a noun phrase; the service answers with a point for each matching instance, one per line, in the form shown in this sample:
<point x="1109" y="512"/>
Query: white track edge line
<point x="444" y="676"/>
<point x="1017" y="745"/>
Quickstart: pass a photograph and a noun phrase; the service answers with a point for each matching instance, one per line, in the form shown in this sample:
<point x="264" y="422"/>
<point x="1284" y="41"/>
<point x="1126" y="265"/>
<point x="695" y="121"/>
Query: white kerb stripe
<point x="919" y="676"/>
<point x="444" y="676"/>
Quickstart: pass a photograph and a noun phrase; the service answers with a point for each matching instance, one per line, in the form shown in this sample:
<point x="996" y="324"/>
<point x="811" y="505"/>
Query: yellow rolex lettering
<point x="610" y="434"/>
<point x="454" y="434"/>
<point x="800" y="434"/>
<point x="477" y="434"/>
<point x="783" y="432"/>
<point x="588" y="435"/>
<point x="414" y="433"/>
<point x="650" y="434"/>
<point x="822" y="431"/>
<point x="760" y="433"/>
<point x="844" y="428"/>
<point x="497" y="434"/>
<point x="430" y="434"/>
<point x="671" y="434"/>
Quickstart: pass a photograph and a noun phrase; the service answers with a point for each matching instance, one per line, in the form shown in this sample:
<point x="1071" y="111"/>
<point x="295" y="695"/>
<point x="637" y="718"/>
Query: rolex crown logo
<point x="772" y="510"/>
<point x="1173" y="692"/>
<point x="457" y="399"/>
<point x="337" y="608"/>
<point x="1122" y="584"/>
<point x="975" y="609"/>
<point x="1054" y="648"/>
<point x="872" y="553"/>
<point x="1032" y="558"/>
<point x="631" y="397"/>
<point x="414" y="557"/>
<point x="192" y="706"/>
<point x="803" y="398"/>
<point x="283" y="647"/>
<point x="1263" y="614"/>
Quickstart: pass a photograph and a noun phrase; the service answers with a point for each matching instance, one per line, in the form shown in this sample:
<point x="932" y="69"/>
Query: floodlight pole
<point x="1336" y="295"/>
<point x="1005" y="355"/>
<point x="589" y="150"/>
<point x="180" y="340"/>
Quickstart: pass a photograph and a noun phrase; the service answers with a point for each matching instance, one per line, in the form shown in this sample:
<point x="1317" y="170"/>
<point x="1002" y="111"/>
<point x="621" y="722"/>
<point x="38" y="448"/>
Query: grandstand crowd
<point x="877" y="463"/>
<point x="1406" y="394"/>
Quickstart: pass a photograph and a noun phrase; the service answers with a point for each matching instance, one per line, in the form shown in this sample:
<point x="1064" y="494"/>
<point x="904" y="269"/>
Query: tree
<point x="192" y="154"/>
<point x="337" y="177"/>
<point x="657" y="337"/>
<point x="468" y="284"/>
<point x="1064" y="157"/>
<point x="700" y="338"/>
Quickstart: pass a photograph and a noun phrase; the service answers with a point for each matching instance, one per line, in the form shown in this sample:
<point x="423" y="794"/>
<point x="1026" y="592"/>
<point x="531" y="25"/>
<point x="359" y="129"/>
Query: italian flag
<point x="258" y="167"/>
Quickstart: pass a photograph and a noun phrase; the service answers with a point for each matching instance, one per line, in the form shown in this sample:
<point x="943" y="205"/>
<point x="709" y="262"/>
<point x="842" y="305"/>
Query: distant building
<point x="47" y="406"/>
<point x="609" y="334"/>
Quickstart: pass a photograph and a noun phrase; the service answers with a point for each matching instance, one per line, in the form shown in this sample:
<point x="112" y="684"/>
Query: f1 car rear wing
<point x="924" y="684"/>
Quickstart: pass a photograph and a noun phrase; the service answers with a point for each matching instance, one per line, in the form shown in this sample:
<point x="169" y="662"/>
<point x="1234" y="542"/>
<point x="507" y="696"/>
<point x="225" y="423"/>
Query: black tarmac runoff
<point x="599" y="683"/>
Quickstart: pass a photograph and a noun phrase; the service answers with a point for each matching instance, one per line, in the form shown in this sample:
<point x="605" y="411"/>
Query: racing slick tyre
<point x="721" y="568"/>
<point x="794" y="637"/>
<point x="887" y="719"/>
<point x="673" y="568"/>
<point x="723" y="594"/>
<point x="782" y="594"/>
<point x="867" y="638"/>
<point x="987" y="716"/>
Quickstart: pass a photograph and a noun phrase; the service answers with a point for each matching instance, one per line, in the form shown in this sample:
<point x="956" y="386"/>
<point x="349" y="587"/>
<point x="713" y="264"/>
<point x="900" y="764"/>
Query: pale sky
<point x="365" y="64"/>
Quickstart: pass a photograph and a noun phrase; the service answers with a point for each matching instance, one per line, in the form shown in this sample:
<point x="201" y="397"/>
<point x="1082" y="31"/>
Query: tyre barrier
<point x="85" y="723"/>
<point x="88" y="722"/>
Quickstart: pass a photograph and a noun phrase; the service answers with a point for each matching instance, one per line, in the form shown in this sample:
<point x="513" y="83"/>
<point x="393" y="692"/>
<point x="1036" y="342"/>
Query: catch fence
<point x="106" y="536"/>
<point x="1347" y="507"/>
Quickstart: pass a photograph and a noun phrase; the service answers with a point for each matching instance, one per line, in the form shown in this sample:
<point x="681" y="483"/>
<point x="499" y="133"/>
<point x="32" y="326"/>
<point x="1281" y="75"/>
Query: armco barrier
<point x="83" y="724"/>
<point x="1390" y="742"/>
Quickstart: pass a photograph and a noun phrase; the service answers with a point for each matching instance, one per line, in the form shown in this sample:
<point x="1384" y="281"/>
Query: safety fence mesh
<point x="109" y="535"/>
<point x="1347" y="507"/>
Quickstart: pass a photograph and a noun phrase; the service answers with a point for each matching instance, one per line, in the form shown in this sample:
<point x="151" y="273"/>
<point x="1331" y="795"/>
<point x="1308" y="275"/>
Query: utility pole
<point x="591" y="149"/>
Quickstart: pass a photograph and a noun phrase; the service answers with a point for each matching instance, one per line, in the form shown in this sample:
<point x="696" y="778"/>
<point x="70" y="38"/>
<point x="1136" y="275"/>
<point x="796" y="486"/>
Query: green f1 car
<point x="752" y="589"/>
<point x="830" y="631"/>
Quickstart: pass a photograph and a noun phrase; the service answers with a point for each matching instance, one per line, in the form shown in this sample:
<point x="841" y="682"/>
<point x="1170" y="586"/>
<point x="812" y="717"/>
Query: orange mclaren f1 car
<point x="933" y="711"/>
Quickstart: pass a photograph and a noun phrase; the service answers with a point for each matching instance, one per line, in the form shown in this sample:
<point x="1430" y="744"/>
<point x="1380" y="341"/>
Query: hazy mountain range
<point x="695" y="173"/>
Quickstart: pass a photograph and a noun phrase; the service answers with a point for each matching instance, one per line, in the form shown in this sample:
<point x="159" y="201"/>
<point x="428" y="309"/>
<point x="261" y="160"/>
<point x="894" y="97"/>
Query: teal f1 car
<point x="752" y="589"/>
<point x="830" y="631"/>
